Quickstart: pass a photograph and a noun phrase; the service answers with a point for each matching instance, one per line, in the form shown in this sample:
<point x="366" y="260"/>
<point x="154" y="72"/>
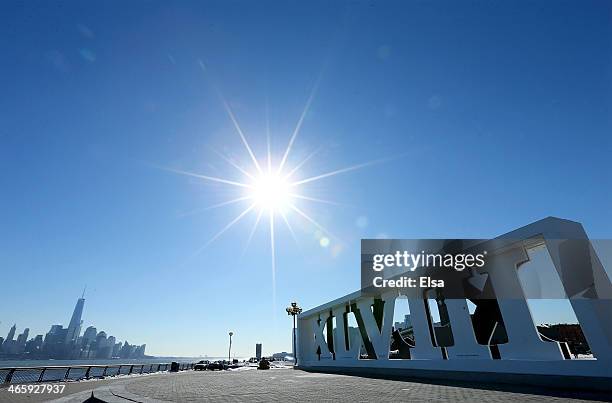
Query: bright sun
<point x="271" y="191"/>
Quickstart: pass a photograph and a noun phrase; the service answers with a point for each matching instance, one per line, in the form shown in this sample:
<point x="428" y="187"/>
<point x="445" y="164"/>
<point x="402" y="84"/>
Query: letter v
<point x="379" y="338"/>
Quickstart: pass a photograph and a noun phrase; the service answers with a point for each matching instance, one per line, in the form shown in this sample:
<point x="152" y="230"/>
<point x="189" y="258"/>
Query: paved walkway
<point x="286" y="385"/>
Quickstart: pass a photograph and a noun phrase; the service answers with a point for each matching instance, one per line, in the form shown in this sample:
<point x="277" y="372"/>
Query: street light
<point x="229" y="354"/>
<point x="294" y="310"/>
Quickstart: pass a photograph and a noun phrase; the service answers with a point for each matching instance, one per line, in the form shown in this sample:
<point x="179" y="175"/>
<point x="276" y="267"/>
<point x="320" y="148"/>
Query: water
<point x="116" y="361"/>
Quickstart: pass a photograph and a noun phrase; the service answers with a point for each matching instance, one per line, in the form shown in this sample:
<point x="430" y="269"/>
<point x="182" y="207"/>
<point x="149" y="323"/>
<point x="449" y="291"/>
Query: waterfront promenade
<point x="288" y="385"/>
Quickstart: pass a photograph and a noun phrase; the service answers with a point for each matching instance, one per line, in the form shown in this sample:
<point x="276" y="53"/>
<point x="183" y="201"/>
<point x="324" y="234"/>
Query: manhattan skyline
<point x="67" y="343"/>
<point x="488" y="117"/>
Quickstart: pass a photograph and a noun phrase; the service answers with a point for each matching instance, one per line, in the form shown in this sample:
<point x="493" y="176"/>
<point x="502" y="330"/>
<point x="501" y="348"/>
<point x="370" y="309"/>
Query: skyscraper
<point x="34" y="345"/>
<point x="67" y="343"/>
<point x="53" y="344"/>
<point x="11" y="333"/>
<point x="102" y="348"/>
<point x="110" y="346"/>
<point x="23" y="337"/>
<point x="89" y="335"/>
<point x="74" y="328"/>
<point x="8" y="344"/>
<point x="88" y="343"/>
<point x="139" y="351"/>
<point x="117" y="349"/>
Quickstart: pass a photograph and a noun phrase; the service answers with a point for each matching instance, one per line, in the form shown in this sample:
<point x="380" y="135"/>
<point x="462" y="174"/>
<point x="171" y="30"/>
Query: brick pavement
<point x="287" y="385"/>
<point x="298" y="386"/>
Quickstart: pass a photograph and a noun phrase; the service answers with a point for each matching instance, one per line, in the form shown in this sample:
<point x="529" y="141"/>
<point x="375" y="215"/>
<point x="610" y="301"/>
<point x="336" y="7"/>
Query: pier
<point x="284" y="385"/>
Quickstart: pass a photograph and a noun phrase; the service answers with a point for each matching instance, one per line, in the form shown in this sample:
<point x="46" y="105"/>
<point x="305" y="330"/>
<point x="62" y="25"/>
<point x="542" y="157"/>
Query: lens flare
<point x="271" y="192"/>
<point x="269" y="189"/>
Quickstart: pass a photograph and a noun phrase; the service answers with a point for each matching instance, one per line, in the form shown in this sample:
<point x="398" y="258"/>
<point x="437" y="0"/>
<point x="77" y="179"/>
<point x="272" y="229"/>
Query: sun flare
<point x="271" y="191"/>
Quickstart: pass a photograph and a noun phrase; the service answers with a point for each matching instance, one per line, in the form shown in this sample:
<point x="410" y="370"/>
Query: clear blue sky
<point x="502" y="112"/>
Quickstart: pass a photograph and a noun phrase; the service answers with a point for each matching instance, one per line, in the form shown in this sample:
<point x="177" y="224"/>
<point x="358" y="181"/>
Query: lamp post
<point x="294" y="310"/>
<point x="229" y="354"/>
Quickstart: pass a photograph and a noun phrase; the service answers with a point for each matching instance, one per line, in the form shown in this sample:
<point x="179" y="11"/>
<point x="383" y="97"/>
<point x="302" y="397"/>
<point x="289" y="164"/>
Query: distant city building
<point x="104" y="345"/>
<point x="22" y="339"/>
<point x="53" y="345"/>
<point x="90" y="334"/>
<point x="87" y="342"/>
<point x="67" y="343"/>
<point x="127" y="350"/>
<point x="140" y="351"/>
<point x="258" y="351"/>
<point x="8" y="346"/>
<point x="34" y="346"/>
<point x="11" y="333"/>
<point x="74" y="328"/>
<point x="117" y="349"/>
<point x="132" y="351"/>
<point x="406" y="324"/>
<point x="110" y="347"/>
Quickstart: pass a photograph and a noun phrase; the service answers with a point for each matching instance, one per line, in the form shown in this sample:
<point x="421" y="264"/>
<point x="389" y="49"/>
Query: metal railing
<point x="55" y="373"/>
